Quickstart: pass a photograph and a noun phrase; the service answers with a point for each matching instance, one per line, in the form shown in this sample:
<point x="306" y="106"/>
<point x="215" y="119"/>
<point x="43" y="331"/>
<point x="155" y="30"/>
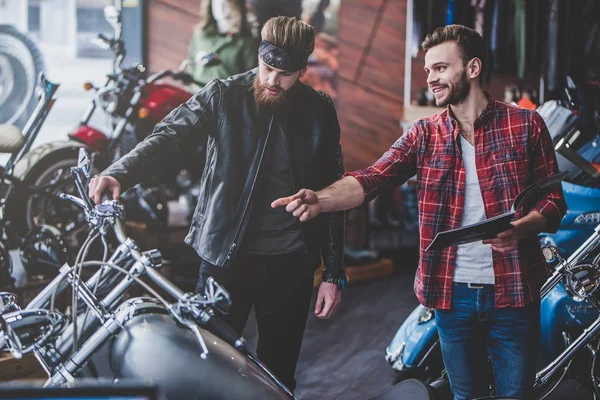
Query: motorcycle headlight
<point x="425" y="315"/>
<point x="108" y="100"/>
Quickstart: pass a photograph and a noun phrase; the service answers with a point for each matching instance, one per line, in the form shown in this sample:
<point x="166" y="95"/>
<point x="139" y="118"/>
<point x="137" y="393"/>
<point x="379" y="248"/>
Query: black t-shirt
<point x="273" y="230"/>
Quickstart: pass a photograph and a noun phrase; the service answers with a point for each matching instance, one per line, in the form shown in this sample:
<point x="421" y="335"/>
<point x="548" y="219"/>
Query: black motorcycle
<point x="183" y="347"/>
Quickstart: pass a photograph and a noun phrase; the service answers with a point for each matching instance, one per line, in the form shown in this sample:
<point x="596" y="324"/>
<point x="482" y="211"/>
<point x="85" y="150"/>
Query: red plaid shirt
<point x="512" y="150"/>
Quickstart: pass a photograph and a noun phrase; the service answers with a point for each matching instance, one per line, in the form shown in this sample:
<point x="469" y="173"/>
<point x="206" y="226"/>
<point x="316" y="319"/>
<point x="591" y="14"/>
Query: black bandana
<point x="277" y="57"/>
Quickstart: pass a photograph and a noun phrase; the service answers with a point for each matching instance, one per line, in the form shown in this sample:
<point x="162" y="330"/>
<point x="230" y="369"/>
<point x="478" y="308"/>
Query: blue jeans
<point x="473" y="329"/>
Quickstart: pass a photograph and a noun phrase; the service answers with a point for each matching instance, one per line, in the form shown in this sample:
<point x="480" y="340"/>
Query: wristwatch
<point x="339" y="282"/>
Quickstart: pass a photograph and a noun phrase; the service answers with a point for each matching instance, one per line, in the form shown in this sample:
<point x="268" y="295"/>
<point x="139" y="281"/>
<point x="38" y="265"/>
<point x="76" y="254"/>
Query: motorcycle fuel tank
<point x="153" y="347"/>
<point x="161" y="98"/>
<point x="91" y="137"/>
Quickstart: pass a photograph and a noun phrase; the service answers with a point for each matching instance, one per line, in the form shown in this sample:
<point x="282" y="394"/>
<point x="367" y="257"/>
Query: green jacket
<point x="236" y="54"/>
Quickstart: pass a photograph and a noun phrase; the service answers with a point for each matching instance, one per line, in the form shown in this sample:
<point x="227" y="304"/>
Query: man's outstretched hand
<point x="304" y="204"/>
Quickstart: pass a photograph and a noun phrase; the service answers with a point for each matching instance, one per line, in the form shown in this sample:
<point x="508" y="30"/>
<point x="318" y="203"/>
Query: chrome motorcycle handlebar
<point x="578" y="255"/>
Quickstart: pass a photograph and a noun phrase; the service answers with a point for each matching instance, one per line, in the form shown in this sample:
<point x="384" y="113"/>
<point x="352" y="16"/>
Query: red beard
<point x="263" y="98"/>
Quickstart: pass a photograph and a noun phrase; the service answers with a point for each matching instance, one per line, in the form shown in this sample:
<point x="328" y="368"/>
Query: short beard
<point x="460" y="92"/>
<point x="265" y="99"/>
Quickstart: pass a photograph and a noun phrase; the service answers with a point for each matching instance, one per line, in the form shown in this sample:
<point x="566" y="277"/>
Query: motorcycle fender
<point x="58" y="149"/>
<point x="411" y="342"/>
<point x="90" y="137"/>
<point x="26" y="166"/>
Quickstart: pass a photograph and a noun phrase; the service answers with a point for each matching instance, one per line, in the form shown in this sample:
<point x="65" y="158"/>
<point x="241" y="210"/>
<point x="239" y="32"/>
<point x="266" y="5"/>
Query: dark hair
<point x="468" y="40"/>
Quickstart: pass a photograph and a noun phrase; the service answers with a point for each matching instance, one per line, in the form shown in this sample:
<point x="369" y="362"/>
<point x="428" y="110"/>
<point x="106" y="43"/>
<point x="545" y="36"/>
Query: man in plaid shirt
<point x="471" y="160"/>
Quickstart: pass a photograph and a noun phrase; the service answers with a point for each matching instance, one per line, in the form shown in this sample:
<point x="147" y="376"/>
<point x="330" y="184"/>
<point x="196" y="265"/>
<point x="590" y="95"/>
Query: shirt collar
<point x="481" y="121"/>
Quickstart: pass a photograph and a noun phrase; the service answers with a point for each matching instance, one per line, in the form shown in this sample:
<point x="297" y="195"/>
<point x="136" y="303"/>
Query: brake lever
<point x="76" y="200"/>
<point x="175" y="311"/>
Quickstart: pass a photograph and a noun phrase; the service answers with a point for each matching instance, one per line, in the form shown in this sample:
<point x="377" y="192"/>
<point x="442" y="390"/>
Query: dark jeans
<point x="280" y="288"/>
<point x="474" y="328"/>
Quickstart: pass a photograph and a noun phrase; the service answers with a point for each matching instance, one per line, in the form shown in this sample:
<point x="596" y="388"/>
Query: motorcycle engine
<point x="43" y="251"/>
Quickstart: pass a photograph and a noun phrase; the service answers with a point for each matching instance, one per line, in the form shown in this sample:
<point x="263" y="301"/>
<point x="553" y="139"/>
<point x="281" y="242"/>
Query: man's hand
<point x="328" y="300"/>
<point x="304" y="204"/>
<point x="100" y="184"/>
<point x="506" y="241"/>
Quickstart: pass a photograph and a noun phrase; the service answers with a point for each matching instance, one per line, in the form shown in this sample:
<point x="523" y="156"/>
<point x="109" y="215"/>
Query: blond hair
<point x="290" y="34"/>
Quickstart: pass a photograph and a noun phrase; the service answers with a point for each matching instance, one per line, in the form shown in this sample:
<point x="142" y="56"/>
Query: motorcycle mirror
<point x="83" y="163"/>
<point x="113" y="17"/>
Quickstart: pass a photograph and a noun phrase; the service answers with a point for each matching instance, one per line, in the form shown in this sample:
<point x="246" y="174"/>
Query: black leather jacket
<point x="224" y="118"/>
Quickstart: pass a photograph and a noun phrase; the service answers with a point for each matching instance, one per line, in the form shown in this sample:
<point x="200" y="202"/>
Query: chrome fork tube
<point x="544" y="376"/>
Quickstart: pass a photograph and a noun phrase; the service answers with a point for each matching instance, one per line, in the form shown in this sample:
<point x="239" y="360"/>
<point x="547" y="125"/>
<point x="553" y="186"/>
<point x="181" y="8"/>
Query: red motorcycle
<point x="135" y="105"/>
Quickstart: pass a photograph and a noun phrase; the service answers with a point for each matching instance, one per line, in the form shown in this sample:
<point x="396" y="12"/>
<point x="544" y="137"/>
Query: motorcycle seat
<point x="11" y="139"/>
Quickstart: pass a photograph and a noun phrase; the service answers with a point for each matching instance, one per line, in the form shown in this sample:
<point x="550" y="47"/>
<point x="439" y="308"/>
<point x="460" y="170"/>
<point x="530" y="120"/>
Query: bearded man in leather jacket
<point x="266" y="134"/>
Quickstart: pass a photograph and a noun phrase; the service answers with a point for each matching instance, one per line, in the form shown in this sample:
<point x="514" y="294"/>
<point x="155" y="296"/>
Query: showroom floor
<point x="343" y="358"/>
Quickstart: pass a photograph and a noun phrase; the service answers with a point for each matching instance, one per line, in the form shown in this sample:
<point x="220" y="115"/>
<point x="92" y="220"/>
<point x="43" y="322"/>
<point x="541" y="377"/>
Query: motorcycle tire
<point x="21" y="62"/>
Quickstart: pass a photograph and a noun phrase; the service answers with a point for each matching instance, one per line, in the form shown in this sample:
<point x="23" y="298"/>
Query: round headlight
<point x="108" y="100"/>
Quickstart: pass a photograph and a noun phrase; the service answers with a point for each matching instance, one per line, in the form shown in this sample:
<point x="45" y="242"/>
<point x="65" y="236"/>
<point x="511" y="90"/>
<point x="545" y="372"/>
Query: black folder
<point x="493" y="226"/>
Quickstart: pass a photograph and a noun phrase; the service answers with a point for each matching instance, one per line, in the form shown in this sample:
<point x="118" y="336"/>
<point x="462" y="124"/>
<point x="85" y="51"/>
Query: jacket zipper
<point x="233" y="246"/>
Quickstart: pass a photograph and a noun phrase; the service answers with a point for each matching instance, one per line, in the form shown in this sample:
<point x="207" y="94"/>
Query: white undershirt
<point x="473" y="260"/>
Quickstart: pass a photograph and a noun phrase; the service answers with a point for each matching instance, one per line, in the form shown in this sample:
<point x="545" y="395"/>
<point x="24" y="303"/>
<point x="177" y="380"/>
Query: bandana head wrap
<point x="279" y="58"/>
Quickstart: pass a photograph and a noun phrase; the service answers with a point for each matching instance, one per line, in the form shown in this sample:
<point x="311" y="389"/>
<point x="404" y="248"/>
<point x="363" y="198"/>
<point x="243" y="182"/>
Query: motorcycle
<point x="200" y="356"/>
<point x="31" y="216"/>
<point x="135" y="104"/>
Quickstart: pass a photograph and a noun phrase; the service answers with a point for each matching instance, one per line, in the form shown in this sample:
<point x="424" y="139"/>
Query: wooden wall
<point x="370" y="79"/>
<point x="170" y="27"/>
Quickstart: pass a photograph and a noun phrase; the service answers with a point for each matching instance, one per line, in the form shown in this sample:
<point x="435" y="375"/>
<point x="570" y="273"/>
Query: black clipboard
<point x="491" y="227"/>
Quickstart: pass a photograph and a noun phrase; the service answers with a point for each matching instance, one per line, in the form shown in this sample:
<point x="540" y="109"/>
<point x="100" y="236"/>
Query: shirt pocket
<point x="437" y="171"/>
<point x="511" y="166"/>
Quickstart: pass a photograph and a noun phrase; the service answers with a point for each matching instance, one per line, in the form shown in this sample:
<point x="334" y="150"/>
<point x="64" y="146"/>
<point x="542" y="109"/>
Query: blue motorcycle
<point x="415" y="349"/>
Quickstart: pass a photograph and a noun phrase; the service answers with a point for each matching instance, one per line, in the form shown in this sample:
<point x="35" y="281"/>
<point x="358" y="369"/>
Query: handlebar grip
<point x="225" y="332"/>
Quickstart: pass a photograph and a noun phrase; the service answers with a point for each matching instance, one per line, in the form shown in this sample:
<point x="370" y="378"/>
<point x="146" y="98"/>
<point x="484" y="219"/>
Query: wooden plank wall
<point x="170" y="27"/>
<point x="370" y="79"/>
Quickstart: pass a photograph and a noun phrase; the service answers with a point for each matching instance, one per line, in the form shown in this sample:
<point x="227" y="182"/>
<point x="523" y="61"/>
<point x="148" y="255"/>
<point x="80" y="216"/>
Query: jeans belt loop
<point x="475" y="286"/>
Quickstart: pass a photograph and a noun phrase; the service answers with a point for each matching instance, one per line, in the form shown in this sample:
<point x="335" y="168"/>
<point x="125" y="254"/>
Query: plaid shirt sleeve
<point x="544" y="163"/>
<point x="393" y="168"/>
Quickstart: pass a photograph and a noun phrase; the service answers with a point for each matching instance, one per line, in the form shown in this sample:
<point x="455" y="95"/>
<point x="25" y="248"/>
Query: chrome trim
<point x="392" y="356"/>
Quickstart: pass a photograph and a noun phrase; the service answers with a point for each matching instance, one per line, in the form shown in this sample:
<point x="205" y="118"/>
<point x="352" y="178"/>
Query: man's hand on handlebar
<point x="100" y="184"/>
